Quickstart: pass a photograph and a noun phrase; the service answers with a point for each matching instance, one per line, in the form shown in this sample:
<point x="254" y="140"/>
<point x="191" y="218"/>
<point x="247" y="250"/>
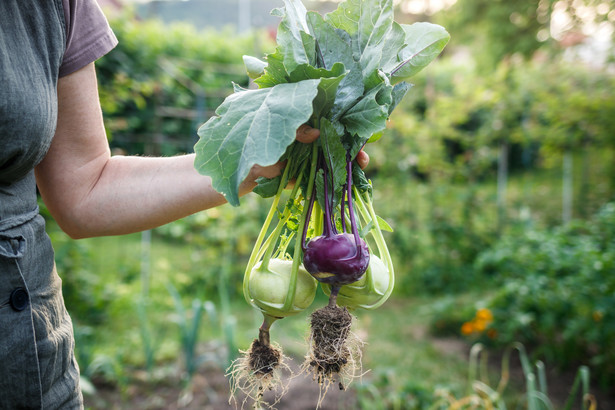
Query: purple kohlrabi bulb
<point x="336" y="259"/>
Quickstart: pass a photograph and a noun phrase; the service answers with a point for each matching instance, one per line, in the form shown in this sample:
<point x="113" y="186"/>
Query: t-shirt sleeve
<point x="88" y="35"/>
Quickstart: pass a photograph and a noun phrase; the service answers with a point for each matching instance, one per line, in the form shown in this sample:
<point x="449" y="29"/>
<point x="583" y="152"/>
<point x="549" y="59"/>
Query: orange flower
<point x="467" y="328"/>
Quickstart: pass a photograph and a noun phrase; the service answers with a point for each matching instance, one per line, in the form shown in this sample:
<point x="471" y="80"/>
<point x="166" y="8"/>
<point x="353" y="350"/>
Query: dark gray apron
<point x="37" y="364"/>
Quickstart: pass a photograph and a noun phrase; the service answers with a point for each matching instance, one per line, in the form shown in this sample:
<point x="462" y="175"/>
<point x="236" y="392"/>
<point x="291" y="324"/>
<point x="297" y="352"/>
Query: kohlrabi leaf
<point x="424" y="42"/>
<point x="308" y="72"/>
<point x="399" y="91"/>
<point x="368" y="23"/>
<point x="384" y="94"/>
<point x="327" y="92"/>
<point x="333" y="45"/>
<point x="349" y="91"/>
<point x="275" y="72"/>
<point x="376" y="24"/>
<point x="359" y="180"/>
<point x="296" y="44"/>
<point x="393" y="43"/>
<point x="267" y="187"/>
<point x="254" y="67"/>
<point x="375" y="137"/>
<point x="327" y="89"/>
<point x="251" y="127"/>
<point x="334" y="155"/>
<point x="384" y="225"/>
<point x="367" y="116"/>
<point x="238" y="89"/>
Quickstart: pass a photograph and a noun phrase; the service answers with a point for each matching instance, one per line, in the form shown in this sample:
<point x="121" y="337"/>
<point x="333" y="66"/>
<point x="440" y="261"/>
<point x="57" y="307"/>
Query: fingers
<point x="362" y="159"/>
<point x="307" y="134"/>
<point x="271" y="171"/>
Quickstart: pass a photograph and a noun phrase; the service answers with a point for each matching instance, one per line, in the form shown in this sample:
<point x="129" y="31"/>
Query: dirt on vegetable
<point x="263" y="359"/>
<point x="335" y="351"/>
<point x="259" y="370"/>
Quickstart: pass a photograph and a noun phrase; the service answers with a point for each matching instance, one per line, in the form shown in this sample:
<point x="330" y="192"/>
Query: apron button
<point x="19" y="299"/>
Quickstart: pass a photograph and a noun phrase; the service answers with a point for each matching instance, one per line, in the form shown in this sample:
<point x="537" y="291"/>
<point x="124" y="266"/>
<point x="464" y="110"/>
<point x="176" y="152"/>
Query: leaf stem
<point x="364" y="202"/>
<point x="329" y="229"/>
<point x="263" y="331"/>
<point x="282" y="222"/>
<point x="306" y="226"/>
<point x="333" y="296"/>
<point x="292" y="286"/>
<point x="256" y="251"/>
<point x="353" y="221"/>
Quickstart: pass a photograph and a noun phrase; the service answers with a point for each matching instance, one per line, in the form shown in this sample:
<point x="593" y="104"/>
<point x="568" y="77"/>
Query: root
<point x="256" y="372"/>
<point x="335" y="351"/>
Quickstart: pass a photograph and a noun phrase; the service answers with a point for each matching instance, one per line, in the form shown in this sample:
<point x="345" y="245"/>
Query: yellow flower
<point x="484" y="314"/>
<point x="480" y="325"/>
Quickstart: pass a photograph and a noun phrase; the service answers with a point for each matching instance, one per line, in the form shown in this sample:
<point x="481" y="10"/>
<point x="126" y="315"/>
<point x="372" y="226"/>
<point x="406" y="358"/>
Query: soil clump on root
<point x="257" y="371"/>
<point x="263" y="359"/>
<point x="334" y="349"/>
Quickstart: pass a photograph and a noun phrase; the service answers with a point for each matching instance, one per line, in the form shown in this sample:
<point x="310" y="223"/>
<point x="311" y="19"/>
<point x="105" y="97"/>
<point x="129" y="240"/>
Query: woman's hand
<point x="307" y="134"/>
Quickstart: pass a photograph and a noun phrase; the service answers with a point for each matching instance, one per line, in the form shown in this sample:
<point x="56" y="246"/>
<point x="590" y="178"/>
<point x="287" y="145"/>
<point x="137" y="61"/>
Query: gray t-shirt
<point x="36" y="49"/>
<point x="40" y="40"/>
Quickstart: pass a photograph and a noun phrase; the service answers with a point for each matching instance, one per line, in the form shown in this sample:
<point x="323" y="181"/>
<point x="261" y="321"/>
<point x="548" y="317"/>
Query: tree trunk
<point x="502" y="185"/>
<point x="567" y="189"/>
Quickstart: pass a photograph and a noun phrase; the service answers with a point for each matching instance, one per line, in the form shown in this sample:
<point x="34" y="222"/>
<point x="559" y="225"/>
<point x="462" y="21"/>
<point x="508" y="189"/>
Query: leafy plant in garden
<point x="343" y="73"/>
<point x="481" y="392"/>
<point x="558" y="291"/>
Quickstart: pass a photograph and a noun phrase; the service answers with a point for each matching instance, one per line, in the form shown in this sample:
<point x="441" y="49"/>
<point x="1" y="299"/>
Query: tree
<point x="496" y="29"/>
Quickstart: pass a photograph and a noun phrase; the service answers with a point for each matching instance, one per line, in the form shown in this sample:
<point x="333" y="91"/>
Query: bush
<point x="557" y="292"/>
<point x="156" y="90"/>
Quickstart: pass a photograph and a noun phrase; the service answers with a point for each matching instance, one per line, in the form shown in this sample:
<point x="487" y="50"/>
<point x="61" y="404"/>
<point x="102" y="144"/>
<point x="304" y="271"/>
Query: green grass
<point x="396" y="334"/>
<point x="105" y="275"/>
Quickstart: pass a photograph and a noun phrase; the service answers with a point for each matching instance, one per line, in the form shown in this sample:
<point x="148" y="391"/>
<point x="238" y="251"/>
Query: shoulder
<point x="88" y="34"/>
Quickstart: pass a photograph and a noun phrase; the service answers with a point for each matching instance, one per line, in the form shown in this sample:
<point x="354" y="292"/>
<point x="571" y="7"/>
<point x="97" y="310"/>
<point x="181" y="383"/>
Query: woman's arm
<point x="90" y="193"/>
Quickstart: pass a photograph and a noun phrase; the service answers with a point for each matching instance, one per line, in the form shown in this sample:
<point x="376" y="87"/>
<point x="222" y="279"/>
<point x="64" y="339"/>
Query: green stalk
<point x="263" y="331"/>
<point x="278" y="229"/>
<point x="317" y="212"/>
<point x="254" y="256"/>
<point x="281" y="251"/>
<point x="290" y="295"/>
<point x="365" y="207"/>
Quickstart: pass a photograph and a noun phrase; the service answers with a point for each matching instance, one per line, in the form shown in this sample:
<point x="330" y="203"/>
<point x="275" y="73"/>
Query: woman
<point x="52" y="136"/>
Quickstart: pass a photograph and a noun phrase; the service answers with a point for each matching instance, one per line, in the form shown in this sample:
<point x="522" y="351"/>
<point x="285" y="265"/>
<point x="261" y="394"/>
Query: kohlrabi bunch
<point x="343" y="73"/>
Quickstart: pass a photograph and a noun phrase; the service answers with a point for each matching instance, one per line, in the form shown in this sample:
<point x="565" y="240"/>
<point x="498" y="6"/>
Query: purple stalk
<point x="329" y="228"/>
<point x="353" y="222"/>
<point x="343" y="204"/>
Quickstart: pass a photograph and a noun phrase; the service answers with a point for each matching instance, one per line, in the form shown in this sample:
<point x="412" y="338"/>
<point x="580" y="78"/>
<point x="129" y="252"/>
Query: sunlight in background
<point x="428" y="7"/>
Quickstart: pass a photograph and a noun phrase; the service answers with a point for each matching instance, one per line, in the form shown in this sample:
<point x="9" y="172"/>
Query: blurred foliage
<point x="163" y="80"/>
<point x="434" y="174"/>
<point x="556" y="292"/>
<point x="497" y="30"/>
<point x="385" y="392"/>
<point x="444" y="145"/>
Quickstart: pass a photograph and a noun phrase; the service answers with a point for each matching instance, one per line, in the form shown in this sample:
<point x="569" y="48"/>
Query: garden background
<point x="496" y="172"/>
